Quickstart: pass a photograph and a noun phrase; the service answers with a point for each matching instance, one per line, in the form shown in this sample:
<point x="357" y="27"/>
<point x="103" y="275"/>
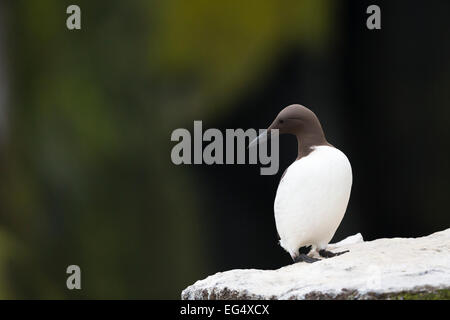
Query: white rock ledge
<point x="375" y="269"/>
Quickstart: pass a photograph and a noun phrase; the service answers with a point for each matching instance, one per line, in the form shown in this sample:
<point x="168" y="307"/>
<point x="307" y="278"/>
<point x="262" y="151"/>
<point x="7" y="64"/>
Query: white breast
<point x="312" y="198"/>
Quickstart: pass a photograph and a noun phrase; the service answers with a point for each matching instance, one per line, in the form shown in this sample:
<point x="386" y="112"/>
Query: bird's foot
<point x="304" y="258"/>
<point x="329" y="254"/>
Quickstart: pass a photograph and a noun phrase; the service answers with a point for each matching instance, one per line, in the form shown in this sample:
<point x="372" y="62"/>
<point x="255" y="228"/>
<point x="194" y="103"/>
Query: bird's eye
<point x="281" y="121"/>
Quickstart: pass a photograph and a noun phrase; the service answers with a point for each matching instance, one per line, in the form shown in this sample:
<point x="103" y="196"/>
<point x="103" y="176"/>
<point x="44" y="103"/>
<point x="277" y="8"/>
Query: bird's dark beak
<point x="265" y="136"/>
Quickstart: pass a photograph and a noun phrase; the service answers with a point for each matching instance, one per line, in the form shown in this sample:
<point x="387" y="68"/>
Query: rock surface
<point x="379" y="269"/>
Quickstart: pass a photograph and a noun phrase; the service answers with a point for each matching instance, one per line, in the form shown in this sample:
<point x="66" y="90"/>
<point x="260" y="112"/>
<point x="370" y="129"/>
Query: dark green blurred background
<point x="86" y="118"/>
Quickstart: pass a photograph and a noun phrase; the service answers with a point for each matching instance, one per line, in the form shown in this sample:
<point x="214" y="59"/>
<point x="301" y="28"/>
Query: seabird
<point x="314" y="191"/>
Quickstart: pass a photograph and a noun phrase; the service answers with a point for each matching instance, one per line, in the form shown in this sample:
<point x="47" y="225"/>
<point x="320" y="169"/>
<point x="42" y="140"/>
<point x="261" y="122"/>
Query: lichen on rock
<point x="397" y="268"/>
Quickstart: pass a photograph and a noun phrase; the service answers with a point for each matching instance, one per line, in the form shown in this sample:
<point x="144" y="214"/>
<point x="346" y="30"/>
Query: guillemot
<point x="314" y="190"/>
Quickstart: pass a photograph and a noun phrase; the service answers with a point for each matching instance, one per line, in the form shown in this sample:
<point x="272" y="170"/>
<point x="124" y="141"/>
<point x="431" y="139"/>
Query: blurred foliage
<point x="86" y="171"/>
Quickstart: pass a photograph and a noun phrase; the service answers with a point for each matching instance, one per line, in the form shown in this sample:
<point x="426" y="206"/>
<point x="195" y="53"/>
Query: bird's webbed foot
<point x="305" y="258"/>
<point x="328" y="254"/>
<point x="302" y="255"/>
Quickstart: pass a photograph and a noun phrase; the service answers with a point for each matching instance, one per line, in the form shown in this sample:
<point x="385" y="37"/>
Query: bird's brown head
<point x="297" y="120"/>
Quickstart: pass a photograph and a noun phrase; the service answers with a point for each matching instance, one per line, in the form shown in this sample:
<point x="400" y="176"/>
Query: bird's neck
<point x="307" y="141"/>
